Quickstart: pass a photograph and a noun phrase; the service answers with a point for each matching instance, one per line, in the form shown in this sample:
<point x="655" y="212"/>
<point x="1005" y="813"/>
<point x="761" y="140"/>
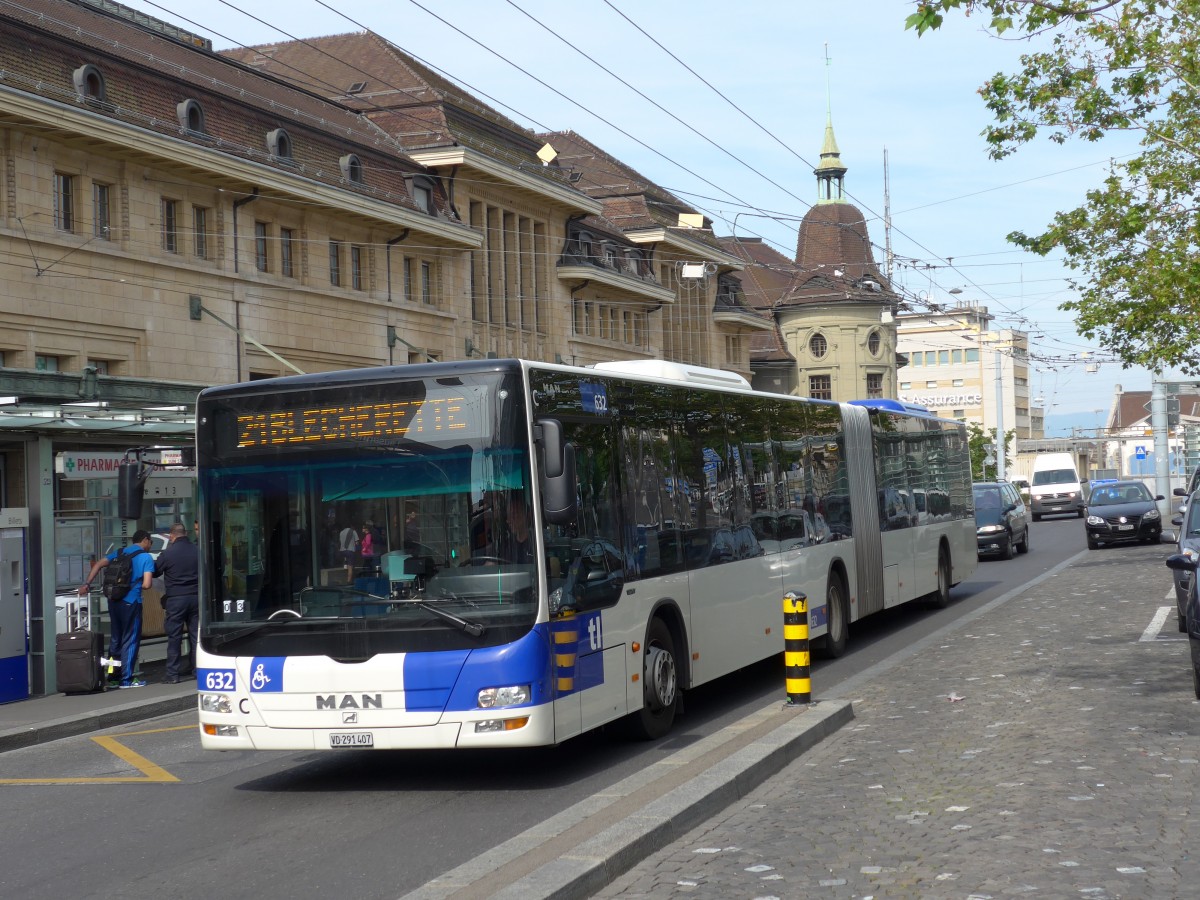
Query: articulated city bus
<point x="505" y="553"/>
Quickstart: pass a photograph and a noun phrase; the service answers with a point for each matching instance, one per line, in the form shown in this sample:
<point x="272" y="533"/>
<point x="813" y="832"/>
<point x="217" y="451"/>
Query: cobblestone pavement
<point x="1048" y="747"/>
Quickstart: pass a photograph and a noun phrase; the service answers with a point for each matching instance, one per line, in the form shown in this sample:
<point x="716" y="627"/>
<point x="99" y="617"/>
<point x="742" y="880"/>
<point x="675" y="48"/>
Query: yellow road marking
<point x="151" y="773"/>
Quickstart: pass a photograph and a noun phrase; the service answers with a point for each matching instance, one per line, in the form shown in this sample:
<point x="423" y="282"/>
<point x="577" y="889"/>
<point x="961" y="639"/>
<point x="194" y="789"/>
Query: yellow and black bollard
<point x="795" y="648"/>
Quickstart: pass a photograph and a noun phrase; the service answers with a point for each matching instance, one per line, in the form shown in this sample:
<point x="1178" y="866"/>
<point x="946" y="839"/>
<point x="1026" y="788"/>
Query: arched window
<point x="191" y="116"/>
<point x="89" y="83"/>
<point x="874" y="342"/>
<point x="818" y="346"/>
<point x="352" y="168"/>
<point x="279" y="144"/>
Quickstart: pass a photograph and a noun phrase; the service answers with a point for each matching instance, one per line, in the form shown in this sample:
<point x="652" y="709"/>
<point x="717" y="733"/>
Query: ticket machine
<point x="14" y="642"/>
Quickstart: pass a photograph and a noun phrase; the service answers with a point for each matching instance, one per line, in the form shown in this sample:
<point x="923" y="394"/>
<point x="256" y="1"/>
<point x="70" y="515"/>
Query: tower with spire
<point x="834" y="315"/>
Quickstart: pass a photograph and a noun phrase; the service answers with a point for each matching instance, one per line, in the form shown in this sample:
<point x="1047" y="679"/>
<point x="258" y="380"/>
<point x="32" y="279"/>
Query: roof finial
<point x="829" y="170"/>
<point x="828" y="102"/>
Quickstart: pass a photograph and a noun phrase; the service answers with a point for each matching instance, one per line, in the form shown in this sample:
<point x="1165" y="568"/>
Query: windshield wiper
<point x="271" y="622"/>
<point x="475" y="629"/>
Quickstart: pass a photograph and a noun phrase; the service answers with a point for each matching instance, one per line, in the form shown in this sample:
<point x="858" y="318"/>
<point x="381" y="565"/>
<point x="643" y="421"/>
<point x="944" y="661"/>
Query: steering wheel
<point x="488" y="561"/>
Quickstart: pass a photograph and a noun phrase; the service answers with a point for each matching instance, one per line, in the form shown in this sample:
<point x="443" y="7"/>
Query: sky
<point x="740" y="96"/>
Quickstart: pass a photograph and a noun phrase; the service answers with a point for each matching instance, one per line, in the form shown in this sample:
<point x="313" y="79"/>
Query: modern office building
<point x="962" y="367"/>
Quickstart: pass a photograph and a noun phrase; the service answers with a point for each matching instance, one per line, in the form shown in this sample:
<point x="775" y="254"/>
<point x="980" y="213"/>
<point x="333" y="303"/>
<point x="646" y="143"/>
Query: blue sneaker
<point x="137" y="682"/>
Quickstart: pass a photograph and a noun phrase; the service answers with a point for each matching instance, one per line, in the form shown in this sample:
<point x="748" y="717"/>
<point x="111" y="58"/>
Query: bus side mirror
<point x="557" y="473"/>
<point x="131" y="486"/>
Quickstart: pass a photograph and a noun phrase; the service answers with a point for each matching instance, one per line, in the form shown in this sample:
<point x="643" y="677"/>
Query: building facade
<point x="958" y="366"/>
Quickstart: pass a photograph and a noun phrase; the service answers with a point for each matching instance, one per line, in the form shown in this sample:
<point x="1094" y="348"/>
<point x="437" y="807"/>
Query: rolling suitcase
<point x="77" y="662"/>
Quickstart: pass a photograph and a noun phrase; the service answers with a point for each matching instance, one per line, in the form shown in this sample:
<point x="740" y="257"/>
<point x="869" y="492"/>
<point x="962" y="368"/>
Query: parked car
<point x="1188" y="538"/>
<point x="1187" y="562"/>
<point x="1120" y="511"/>
<point x="1001" y="519"/>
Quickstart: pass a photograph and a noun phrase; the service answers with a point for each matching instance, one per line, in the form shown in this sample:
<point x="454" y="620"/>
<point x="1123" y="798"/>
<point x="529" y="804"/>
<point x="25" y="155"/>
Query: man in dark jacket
<point x="179" y="565"/>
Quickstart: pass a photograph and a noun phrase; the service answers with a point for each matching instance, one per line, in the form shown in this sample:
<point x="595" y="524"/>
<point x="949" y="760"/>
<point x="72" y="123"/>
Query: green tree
<point x="978" y="441"/>
<point x="1131" y="66"/>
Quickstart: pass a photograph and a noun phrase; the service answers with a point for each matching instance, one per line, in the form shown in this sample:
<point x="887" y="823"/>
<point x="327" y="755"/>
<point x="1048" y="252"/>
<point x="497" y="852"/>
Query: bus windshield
<point x="390" y="518"/>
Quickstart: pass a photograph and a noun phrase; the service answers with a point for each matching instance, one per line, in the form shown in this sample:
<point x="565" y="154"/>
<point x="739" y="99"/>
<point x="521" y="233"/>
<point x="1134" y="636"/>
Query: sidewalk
<point x="54" y="716"/>
<point x="1047" y="744"/>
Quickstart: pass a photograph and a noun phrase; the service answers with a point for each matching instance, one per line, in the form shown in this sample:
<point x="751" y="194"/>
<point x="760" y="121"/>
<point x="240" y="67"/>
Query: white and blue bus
<point x="505" y="553"/>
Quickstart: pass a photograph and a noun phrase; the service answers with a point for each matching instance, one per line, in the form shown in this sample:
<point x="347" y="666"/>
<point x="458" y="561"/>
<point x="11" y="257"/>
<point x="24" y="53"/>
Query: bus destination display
<point x="356" y="422"/>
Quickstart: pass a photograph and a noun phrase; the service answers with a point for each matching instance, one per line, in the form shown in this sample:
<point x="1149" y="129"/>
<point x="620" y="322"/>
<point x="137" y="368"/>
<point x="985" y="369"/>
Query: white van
<point x="1055" y="486"/>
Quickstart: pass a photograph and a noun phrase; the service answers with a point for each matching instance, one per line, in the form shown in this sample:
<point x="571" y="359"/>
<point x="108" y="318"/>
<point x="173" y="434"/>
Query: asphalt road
<point x="143" y="812"/>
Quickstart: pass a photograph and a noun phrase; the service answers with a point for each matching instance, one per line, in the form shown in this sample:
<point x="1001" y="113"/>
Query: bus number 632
<point x="219" y="680"/>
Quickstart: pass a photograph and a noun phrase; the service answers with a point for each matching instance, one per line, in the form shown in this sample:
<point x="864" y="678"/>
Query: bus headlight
<point x="513" y="695"/>
<point x="215" y="703"/>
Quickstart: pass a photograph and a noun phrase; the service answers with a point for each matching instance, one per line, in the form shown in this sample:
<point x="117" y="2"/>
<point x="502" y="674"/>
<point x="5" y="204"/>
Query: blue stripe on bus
<point x="555" y="660"/>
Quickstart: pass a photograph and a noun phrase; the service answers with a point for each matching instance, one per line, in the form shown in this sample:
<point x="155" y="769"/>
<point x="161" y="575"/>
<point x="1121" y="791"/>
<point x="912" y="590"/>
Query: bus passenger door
<point x="586" y="574"/>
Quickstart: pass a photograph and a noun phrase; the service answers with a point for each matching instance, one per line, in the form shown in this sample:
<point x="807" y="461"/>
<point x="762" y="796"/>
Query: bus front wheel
<point x="837" y="617"/>
<point x="660" y="685"/>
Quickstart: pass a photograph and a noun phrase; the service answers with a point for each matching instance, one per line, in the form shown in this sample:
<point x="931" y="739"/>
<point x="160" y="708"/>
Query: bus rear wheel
<point x="941" y="596"/>
<point x="837" y="617"/>
<point x="660" y="685"/>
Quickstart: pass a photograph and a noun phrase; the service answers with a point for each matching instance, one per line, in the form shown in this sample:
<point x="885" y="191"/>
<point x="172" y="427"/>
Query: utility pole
<point x="1162" y="438"/>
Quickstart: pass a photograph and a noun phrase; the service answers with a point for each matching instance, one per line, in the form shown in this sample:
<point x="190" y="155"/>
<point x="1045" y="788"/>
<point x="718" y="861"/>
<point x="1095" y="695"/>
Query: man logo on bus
<point x="349" y="701"/>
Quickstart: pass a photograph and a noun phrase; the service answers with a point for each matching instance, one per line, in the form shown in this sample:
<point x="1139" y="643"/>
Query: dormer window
<point x="352" y="168"/>
<point x="357" y="88"/>
<point x="191" y="117"/>
<point x="89" y="83"/>
<point x="279" y="144"/>
<point x="421" y="188"/>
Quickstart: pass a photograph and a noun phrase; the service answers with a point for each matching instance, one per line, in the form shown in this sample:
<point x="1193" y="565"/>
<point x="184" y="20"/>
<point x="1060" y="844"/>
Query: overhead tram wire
<point x="528" y="74"/>
<point x="656" y="104"/>
<point x="553" y="90"/>
<point x="500" y="103"/>
<point x="369" y="107"/>
<point x="764" y="129"/>
<point x="444" y="73"/>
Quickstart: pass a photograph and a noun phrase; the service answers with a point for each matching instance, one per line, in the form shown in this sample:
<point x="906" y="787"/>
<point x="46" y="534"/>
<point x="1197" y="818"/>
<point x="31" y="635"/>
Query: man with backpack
<point x="127" y="573"/>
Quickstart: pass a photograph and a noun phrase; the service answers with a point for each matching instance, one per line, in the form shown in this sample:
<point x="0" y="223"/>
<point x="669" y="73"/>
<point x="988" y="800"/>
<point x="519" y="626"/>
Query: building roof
<point x="150" y="69"/>
<point x="410" y="101"/>
<point x="1130" y="408"/>
<point x="630" y="199"/>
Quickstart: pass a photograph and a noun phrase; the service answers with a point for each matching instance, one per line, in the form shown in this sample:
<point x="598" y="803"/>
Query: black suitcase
<point x="77" y="662"/>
